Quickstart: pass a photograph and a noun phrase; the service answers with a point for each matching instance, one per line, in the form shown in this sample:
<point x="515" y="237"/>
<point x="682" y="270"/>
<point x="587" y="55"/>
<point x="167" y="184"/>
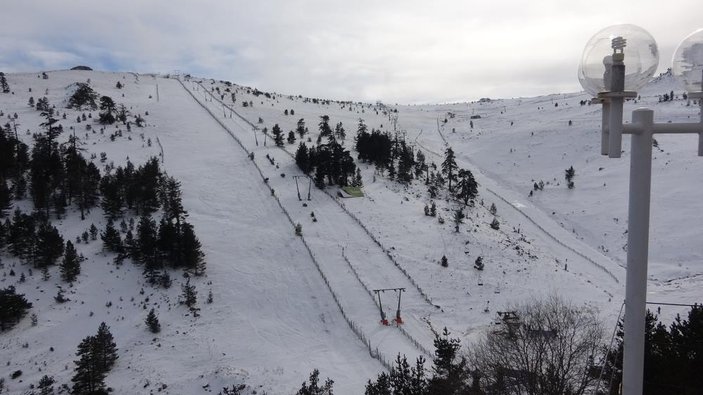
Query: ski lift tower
<point x="398" y="320"/>
<point x="616" y="62"/>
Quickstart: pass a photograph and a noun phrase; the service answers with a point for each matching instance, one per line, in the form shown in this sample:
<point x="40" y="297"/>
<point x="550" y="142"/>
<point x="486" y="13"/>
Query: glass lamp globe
<point x="641" y="58"/>
<point x="688" y="62"/>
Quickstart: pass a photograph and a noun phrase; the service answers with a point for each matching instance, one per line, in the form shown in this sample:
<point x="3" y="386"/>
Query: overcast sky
<point x="404" y="51"/>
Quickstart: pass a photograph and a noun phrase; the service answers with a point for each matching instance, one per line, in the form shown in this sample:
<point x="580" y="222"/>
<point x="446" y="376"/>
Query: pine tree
<point x="112" y="197"/>
<point x="458" y="218"/>
<point x="193" y="257"/>
<point x="189" y="296"/>
<point x="83" y="97"/>
<point x="467" y="188"/>
<point x="3" y="83"/>
<point x="152" y="322"/>
<point x="171" y="201"/>
<point x="13" y="307"/>
<point x="111" y="238"/>
<point x="49" y="245"/>
<point x="449" y="167"/>
<point x="291" y="137"/>
<point x="569" y="176"/>
<point x="108" y="107"/>
<point x="71" y="264"/>
<point x="300" y="128"/>
<point x="301" y="158"/>
<point x="88" y="377"/>
<point x="451" y="374"/>
<point x="325" y="130"/>
<point x="106" y="348"/>
<point x="5" y="198"/>
<point x="46" y="385"/>
<point x="314" y="388"/>
<point x="146" y="244"/>
<point x="444" y="261"/>
<point x="277" y="135"/>
<point x="339" y="132"/>
<point x="495" y="224"/>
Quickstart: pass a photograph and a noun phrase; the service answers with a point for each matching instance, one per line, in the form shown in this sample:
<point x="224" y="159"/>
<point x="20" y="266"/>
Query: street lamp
<point x="616" y="62"/>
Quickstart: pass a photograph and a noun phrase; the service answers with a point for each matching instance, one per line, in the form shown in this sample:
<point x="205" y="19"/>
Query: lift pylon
<point x="398" y="320"/>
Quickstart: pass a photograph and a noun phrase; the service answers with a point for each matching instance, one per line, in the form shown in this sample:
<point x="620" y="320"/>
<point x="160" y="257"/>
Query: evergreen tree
<point x="147" y="248"/>
<point x="277" y="135"/>
<point x="111" y="238"/>
<point x="46" y="171"/>
<point x="171" y="200"/>
<point x="146" y="183"/>
<point x="49" y="245"/>
<point x="88" y="378"/>
<point x="467" y="188"/>
<point x="458" y="218"/>
<point x="313" y="387"/>
<point x="382" y="386"/>
<point x="325" y="130"/>
<point x="300" y="128"/>
<point x="495" y="224"/>
<point x="21" y="235"/>
<point x="3" y="83"/>
<point x="5" y="198"/>
<point x="106" y="348"/>
<point x="13" y="307"/>
<point x="83" y="98"/>
<point x="152" y="322"/>
<point x="193" y="257"/>
<point x="168" y="243"/>
<point x="71" y="264"/>
<point x="291" y="137"/>
<point x="112" y="197"/>
<point x="449" y="167"/>
<point x="108" y="108"/>
<point x="451" y="374"/>
<point x="339" y="132"/>
<point x="46" y="385"/>
<point x="569" y="176"/>
<point x="301" y="158"/>
<point x="189" y="296"/>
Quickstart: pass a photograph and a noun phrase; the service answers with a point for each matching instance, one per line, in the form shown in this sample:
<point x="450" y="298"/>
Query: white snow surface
<point x="285" y="305"/>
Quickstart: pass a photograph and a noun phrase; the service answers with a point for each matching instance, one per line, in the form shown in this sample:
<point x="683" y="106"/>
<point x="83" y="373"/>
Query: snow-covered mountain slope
<point x="283" y="304"/>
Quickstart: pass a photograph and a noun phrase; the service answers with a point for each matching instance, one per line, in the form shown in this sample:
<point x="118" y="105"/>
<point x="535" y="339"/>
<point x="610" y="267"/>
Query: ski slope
<point x="286" y="304"/>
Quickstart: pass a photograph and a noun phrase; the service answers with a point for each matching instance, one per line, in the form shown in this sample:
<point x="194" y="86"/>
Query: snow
<point x="286" y="304"/>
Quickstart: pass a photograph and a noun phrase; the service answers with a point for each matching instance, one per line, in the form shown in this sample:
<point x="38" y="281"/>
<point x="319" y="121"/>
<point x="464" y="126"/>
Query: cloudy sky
<point x="404" y="51"/>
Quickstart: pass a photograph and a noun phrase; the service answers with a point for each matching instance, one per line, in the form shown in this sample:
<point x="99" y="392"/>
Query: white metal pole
<point x="700" y="135"/>
<point x="637" y="252"/>
<point x="605" y="128"/>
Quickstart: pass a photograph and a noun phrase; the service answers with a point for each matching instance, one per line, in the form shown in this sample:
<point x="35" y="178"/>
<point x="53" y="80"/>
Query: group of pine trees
<point x="60" y="176"/>
<point x="172" y="243"/>
<point x="673" y="356"/>
<point x="330" y="162"/>
<point x="389" y="153"/>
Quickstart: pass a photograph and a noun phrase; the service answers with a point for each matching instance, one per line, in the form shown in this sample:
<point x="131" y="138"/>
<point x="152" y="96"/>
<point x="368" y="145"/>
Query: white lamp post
<point x="616" y="62"/>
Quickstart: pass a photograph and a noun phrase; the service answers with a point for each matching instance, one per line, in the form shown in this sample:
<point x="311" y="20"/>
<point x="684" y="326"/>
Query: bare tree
<point x="544" y="347"/>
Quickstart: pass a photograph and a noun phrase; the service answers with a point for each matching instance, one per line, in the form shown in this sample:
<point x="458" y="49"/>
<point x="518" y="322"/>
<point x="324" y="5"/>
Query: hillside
<point x="285" y="304"/>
